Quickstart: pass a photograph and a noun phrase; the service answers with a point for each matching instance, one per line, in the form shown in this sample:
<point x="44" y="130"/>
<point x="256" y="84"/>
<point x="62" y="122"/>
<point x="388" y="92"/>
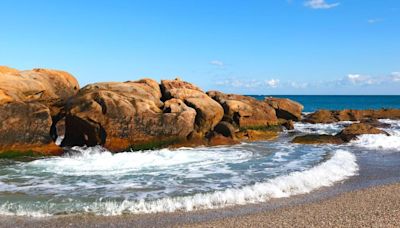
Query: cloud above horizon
<point x="249" y="84"/>
<point x="218" y="63"/>
<point x="273" y="83"/>
<point x="349" y="81"/>
<point x="320" y="4"/>
<point x="374" y="20"/>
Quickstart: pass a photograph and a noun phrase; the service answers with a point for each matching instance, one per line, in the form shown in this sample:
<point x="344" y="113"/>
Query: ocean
<point x="95" y="181"/>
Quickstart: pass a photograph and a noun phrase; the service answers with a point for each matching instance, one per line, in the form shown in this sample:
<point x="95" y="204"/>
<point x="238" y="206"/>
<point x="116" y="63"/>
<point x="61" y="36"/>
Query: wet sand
<point x="371" y="199"/>
<point x="372" y="207"/>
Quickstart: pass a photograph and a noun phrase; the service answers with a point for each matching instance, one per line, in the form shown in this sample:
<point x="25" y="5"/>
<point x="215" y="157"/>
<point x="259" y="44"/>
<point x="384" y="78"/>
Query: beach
<point x="371" y="207"/>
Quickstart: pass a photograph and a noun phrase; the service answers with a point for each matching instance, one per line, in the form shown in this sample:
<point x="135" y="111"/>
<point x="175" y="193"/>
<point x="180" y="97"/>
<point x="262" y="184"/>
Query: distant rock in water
<point x="328" y="116"/>
<point x="31" y="102"/>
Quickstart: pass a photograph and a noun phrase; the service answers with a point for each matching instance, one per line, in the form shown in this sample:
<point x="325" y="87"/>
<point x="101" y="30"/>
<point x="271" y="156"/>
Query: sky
<point x="236" y="46"/>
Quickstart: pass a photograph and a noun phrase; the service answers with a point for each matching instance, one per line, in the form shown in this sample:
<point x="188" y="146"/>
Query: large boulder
<point x="285" y="108"/>
<point x="330" y="116"/>
<point x="244" y="111"/>
<point x="126" y="115"/>
<point x="31" y="102"/>
<point x="351" y="132"/>
<point x="209" y="112"/>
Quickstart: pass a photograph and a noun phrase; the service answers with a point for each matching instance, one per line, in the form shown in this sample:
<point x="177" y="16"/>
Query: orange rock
<point x="286" y="108"/>
<point x="7" y="70"/>
<point x="327" y="116"/>
<point x="129" y="114"/>
<point x="352" y="131"/>
<point x="245" y="111"/>
<point x="209" y="112"/>
<point x="31" y="102"/>
<point x="256" y="135"/>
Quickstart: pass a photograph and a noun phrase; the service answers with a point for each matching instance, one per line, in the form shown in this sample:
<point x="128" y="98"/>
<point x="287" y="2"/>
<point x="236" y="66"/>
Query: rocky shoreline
<point x="38" y="106"/>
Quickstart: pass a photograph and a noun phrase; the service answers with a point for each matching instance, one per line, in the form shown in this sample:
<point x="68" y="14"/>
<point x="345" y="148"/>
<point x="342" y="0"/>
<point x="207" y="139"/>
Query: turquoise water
<point x="314" y="102"/>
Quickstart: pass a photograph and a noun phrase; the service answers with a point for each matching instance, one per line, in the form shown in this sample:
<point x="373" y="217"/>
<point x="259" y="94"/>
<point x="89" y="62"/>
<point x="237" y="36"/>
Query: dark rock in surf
<point x="317" y="139"/>
<point x="351" y="132"/>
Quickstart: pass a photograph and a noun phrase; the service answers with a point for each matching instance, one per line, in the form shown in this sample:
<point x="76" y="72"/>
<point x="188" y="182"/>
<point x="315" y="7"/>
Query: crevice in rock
<point x="79" y="132"/>
<point x="102" y="103"/>
<point x="282" y="114"/>
<point x="164" y="95"/>
<point x="199" y="115"/>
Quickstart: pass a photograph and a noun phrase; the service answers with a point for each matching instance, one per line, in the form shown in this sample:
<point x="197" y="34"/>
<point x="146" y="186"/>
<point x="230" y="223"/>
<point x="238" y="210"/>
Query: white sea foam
<point x="330" y="129"/>
<point x="339" y="167"/>
<point x="98" y="161"/>
<point x="381" y="142"/>
<point x="378" y="142"/>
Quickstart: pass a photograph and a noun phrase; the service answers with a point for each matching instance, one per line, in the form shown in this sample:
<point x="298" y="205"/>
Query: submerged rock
<point x="346" y="135"/>
<point x="317" y="139"/>
<point x="286" y="108"/>
<point x="31" y="102"/>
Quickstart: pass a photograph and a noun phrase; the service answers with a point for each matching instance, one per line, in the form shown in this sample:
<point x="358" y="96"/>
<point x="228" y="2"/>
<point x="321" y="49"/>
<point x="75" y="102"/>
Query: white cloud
<point x="395" y="76"/>
<point x="349" y="81"/>
<point x="298" y="85"/>
<point x="252" y="83"/>
<point x="320" y="4"/>
<point x="273" y="83"/>
<point x="240" y="83"/>
<point x="354" y="78"/>
<point x="374" y="20"/>
<point x="358" y="79"/>
<point x="217" y="63"/>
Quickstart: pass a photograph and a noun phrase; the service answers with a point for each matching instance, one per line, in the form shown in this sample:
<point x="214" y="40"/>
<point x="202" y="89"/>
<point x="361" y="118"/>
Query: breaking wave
<point x="341" y="165"/>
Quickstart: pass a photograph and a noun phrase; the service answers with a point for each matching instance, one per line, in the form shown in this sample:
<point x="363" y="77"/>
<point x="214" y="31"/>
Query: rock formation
<point x="327" y="116"/>
<point x="31" y="102"/>
<point x="37" y="106"/>
<point x="209" y="112"/>
<point x="126" y="115"/>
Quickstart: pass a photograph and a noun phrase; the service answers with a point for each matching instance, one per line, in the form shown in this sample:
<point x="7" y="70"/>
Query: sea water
<point x="95" y="181"/>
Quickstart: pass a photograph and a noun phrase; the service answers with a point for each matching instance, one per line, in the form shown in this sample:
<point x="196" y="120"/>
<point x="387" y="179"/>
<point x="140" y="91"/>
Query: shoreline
<point x="378" y="178"/>
<point x="377" y="206"/>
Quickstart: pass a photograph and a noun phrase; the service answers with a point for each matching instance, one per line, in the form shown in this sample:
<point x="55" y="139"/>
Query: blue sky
<point x="248" y="47"/>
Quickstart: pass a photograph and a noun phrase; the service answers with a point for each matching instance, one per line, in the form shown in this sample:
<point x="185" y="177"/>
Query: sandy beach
<point x="372" y="207"/>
